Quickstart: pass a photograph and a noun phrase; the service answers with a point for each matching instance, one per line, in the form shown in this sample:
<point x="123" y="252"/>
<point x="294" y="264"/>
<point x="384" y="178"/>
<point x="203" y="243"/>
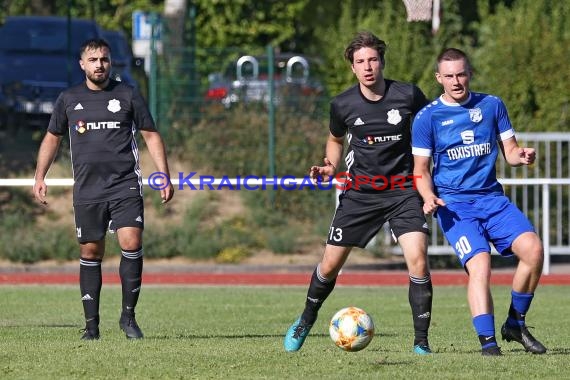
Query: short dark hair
<point x="365" y="39"/>
<point x="452" y="54"/>
<point x="93" y="43"/>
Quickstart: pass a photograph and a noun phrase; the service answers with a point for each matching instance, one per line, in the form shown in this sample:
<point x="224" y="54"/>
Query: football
<point x="351" y="329"/>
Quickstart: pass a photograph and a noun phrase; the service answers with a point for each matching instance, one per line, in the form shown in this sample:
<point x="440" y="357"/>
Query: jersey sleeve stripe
<point x="421" y="152"/>
<point x="507" y="134"/>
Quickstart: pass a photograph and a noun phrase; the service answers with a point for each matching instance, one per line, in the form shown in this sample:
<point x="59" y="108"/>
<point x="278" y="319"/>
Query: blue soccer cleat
<point x="296" y="335"/>
<point x="422" y="349"/>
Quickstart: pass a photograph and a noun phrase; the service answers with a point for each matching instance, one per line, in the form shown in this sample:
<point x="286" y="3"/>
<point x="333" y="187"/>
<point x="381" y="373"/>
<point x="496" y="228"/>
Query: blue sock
<point x="485" y="327"/>
<point x="520" y="303"/>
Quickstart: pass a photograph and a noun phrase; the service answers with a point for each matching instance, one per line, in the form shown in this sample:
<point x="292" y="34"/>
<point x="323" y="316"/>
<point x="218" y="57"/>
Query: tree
<point x="246" y="23"/>
<point x="115" y="14"/>
<point x="523" y="58"/>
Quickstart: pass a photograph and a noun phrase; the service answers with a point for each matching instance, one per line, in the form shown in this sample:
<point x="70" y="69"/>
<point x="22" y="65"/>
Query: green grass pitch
<point x="201" y="332"/>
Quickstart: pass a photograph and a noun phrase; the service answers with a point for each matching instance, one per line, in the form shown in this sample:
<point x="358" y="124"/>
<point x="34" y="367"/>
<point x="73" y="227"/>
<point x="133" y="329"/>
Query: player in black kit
<point x="102" y="117"/>
<point x="375" y="117"/>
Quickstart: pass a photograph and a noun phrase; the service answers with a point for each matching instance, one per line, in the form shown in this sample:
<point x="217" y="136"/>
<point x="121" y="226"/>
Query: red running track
<point x="377" y="278"/>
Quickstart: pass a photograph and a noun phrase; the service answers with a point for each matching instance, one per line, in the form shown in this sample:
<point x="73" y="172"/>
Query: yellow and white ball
<point x="351" y="329"/>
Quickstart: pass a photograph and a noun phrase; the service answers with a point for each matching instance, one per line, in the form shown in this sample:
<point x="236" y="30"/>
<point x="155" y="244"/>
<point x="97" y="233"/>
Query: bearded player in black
<point x="375" y="118"/>
<point x="102" y="117"/>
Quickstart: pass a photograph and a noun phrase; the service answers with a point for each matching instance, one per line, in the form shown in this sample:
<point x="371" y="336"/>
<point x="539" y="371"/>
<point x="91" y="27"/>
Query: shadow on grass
<point x="53" y="326"/>
<point x="239" y="336"/>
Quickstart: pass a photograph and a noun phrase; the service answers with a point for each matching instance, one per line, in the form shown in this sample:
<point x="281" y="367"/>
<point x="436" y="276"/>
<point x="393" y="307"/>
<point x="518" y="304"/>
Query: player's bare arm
<point x="424" y="184"/>
<point x="516" y="155"/>
<point x="157" y="152"/>
<point x="334" y="149"/>
<point x="46" y="155"/>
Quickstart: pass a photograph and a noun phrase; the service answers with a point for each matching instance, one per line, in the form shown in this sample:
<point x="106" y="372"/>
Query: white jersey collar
<point x="455" y="104"/>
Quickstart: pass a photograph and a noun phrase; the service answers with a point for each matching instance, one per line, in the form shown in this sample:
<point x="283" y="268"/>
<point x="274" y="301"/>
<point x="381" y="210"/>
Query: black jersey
<point x="379" y="135"/>
<point x="102" y="127"/>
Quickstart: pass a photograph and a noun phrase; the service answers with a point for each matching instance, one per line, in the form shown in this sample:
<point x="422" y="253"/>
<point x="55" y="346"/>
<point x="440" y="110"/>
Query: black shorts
<point x="359" y="216"/>
<point x="93" y="220"/>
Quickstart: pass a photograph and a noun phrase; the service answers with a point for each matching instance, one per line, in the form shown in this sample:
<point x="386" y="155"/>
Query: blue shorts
<point x="470" y="226"/>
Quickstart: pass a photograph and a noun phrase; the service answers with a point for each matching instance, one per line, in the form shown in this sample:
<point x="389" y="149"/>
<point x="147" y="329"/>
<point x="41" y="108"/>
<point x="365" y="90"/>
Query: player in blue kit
<point x="462" y="132"/>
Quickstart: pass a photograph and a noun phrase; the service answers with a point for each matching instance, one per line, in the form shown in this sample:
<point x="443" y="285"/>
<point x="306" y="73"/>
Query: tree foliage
<point x="523" y="57"/>
<point x="110" y="14"/>
<point x="518" y="47"/>
<point x="246" y="23"/>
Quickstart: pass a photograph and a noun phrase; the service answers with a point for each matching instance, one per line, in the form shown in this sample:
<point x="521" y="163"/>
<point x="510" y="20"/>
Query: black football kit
<point x="102" y="127"/>
<point x="379" y="183"/>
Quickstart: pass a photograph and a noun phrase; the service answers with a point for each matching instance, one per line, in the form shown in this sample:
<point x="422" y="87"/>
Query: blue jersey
<point x="462" y="139"/>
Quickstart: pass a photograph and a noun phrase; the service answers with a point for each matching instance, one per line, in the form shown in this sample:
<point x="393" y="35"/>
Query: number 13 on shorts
<point x="335" y="234"/>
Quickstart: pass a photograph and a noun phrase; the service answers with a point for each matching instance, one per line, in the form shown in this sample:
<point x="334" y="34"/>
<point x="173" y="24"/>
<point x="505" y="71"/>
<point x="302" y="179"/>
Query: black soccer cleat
<point x="491" y="351"/>
<point x="129" y="325"/>
<point x="90" y="334"/>
<point x="524" y="337"/>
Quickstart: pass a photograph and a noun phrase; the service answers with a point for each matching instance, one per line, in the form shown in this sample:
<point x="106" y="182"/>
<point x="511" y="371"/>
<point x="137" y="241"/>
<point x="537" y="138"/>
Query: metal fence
<point x="541" y="191"/>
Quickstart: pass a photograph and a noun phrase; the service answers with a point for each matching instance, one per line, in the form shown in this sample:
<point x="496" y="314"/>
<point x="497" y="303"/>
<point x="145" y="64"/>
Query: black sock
<point x="90" y="281"/>
<point x="487" y="341"/>
<point x="515" y="319"/>
<point x="420" y="297"/>
<point x="319" y="290"/>
<point x="130" y="271"/>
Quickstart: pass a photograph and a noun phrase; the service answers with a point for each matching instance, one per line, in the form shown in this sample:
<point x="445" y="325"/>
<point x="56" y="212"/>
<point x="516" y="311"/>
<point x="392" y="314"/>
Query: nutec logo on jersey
<point x="394" y="117"/>
<point x="378" y="139"/>
<point x="114" y="105"/>
<point x="475" y="115"/>
<point x="80" y="126"/>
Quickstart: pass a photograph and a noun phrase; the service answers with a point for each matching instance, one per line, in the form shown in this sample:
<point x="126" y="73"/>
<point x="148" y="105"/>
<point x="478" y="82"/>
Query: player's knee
<point x="328" y="271"/>
<point x="91" y="255"/>
<point x="419" y="271"/>
<point x="131" y="245"/>
<point x="130" y="239"/>
<point x="92" y="250"/>
<point x="536" y="254"/>
<point x="530" y="251"/>
<point x="417" y="265"/>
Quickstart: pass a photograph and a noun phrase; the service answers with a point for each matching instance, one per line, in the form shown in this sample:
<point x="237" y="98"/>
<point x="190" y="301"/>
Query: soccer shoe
<point x="524" y="337"/>
<point x="129" y="325"/>
<point x="491" y="351"/>
<point x="296" y="335"/>
<point x="422" y="349"/>
<point x="90" y="334"/>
